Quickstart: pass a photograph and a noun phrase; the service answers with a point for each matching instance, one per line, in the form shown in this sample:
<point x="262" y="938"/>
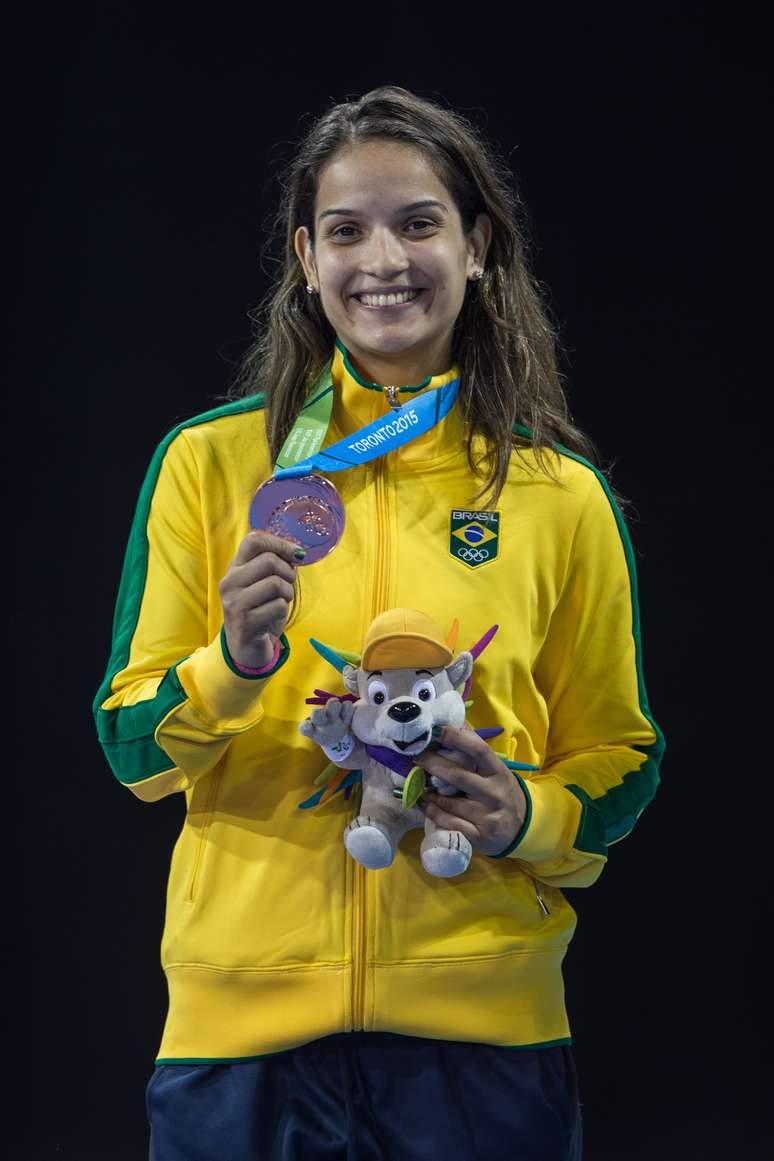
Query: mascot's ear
<point x="460" y="669"/>
<point x="349" y="677"/>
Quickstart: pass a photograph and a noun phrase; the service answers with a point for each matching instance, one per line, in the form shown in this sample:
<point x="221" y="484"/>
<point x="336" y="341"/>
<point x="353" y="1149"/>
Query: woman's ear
<point x="479" y="240"/>
<point x="302" y="244"/>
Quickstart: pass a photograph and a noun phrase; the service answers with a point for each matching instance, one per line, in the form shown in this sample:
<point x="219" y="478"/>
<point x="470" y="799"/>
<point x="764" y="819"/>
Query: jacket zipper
<point x="360" y="898"/>
<point x="392" y="397"/>
<point x="358" y="946"/>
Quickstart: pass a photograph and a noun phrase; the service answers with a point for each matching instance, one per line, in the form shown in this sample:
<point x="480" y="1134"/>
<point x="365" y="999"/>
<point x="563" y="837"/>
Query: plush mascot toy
<point x="407" y="681"/>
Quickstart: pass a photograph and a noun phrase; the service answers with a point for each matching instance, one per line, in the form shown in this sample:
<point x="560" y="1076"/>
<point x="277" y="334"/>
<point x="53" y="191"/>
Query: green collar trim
<point x="373" y="386"/>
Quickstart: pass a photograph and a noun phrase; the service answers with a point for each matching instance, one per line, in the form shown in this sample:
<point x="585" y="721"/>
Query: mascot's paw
<point x="330" y="723"/>
<point x="369" y="843"/>
<point x="445" y="853"/>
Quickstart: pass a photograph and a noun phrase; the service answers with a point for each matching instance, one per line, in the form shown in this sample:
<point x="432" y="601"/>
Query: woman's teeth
<point x="387" y="299"/>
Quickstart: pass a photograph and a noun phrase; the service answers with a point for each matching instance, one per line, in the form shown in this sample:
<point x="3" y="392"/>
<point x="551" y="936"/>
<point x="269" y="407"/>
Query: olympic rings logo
<point x="474" y="555"/>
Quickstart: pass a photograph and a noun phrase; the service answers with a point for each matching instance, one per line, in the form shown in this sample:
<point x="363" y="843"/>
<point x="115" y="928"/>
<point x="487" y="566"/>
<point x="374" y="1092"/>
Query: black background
<point x="145" y="145"/>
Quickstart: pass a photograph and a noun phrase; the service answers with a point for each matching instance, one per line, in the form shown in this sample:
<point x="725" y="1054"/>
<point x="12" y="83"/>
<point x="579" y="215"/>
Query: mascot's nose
<point x="404" y="711"/>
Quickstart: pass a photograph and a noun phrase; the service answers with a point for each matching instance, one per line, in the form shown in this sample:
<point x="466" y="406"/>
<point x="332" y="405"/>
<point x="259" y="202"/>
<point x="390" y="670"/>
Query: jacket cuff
<point x="281" y="658"/>
<point x="550" y="826"/>
<point x="224" y="698"/>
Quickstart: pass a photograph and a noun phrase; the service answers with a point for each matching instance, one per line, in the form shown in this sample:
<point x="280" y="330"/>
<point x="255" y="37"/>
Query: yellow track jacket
<point x="273" y="935"/>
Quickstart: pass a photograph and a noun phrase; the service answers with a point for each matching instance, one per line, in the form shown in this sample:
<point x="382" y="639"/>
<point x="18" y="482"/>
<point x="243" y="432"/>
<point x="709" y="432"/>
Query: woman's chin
<point x="383" y="339"/>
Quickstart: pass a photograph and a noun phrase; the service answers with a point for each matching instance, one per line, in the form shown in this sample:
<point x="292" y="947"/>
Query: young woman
<point x="318" y="1009"/>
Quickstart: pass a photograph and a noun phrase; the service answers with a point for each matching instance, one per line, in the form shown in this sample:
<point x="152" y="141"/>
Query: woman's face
<point x="390" y="259"/>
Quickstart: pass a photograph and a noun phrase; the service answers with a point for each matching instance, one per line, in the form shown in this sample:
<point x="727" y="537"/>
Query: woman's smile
<point x="388" y="301"/>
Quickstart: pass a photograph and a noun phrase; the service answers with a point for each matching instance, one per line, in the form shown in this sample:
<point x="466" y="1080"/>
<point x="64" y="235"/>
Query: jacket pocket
<point x="201" y="822"/>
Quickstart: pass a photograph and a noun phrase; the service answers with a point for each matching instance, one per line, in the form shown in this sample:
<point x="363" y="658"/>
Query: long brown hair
<point x="503" y="341"/>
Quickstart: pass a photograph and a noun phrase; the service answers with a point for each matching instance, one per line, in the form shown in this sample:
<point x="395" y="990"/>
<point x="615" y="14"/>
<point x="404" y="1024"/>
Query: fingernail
<point x="299" y="553"/>
<point x="437" y="731"/>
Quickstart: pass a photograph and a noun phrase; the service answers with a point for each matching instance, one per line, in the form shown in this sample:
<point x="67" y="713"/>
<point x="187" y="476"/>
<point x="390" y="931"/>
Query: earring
<point x="309" y="289"/>
<point x="478" y="274"/>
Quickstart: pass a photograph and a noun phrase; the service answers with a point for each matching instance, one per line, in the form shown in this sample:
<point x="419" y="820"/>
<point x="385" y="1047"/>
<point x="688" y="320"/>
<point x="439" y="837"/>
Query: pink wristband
<point x="265" y="668"/>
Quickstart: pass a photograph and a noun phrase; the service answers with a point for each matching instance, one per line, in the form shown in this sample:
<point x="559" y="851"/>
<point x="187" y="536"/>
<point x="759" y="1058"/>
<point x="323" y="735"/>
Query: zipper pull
<point x="539" y="896"/>
<point x="392" y="397"/>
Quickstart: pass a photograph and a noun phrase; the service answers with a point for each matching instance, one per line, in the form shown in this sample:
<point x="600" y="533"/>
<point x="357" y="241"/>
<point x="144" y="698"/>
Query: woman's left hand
<point x="493" y="809"/>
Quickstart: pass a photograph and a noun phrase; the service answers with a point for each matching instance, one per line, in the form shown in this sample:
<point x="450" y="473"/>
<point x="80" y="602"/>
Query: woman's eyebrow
<point x="421" y="205"/>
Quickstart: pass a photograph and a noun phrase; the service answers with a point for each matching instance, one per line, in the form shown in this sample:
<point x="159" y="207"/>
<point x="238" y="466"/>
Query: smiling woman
<point x="308" y="990"/>
<point x="391" y="282"/>
<point x="393" y="194"/>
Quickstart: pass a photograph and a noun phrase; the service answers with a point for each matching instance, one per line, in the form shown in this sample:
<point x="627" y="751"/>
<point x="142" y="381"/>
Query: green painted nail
<point x="299" y="553"/>
<point x="437" y="731"/>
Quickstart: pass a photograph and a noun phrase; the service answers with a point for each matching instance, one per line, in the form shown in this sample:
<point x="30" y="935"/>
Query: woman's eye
<point x="418" y="226"/>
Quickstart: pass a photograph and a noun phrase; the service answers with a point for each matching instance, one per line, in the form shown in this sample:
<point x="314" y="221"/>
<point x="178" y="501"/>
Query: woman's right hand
<point x="256" y="594"/>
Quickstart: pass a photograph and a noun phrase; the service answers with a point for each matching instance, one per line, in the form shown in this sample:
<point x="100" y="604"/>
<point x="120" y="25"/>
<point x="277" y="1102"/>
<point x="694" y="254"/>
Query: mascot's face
<point x="399" y="707"/>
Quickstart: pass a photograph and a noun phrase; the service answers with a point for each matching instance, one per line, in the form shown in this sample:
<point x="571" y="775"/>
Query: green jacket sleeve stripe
<point x="127" y="733"/>
<point x="611" y="817"/>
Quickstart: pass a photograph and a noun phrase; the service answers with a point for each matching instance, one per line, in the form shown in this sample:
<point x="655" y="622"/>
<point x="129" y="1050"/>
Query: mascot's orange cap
<point x="404" y="639"/>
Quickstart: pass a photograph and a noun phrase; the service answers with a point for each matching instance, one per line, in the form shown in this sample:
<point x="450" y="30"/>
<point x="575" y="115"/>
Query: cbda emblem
<point x="474" y="537"/>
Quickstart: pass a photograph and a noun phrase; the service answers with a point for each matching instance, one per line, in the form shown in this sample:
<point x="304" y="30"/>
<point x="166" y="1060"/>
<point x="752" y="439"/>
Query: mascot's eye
<point x="423" y="690"/>
<point x="377" y="692"/>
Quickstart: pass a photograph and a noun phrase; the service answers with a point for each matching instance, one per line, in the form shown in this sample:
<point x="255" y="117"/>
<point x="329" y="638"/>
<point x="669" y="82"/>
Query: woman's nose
<point x="384" y="255"/>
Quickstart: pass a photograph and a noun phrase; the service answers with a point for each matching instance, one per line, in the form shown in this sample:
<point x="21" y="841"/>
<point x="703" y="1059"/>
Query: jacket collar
<point x="358" y="402"/>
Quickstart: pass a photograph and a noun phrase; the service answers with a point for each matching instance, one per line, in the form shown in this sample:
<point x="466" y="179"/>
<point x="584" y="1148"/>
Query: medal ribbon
<point x="300" y="454"/>
<point x="309" y="430"/>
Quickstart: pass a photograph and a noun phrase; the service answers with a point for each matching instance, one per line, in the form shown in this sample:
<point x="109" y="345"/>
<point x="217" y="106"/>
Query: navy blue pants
<point x="370" y="1096"/>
